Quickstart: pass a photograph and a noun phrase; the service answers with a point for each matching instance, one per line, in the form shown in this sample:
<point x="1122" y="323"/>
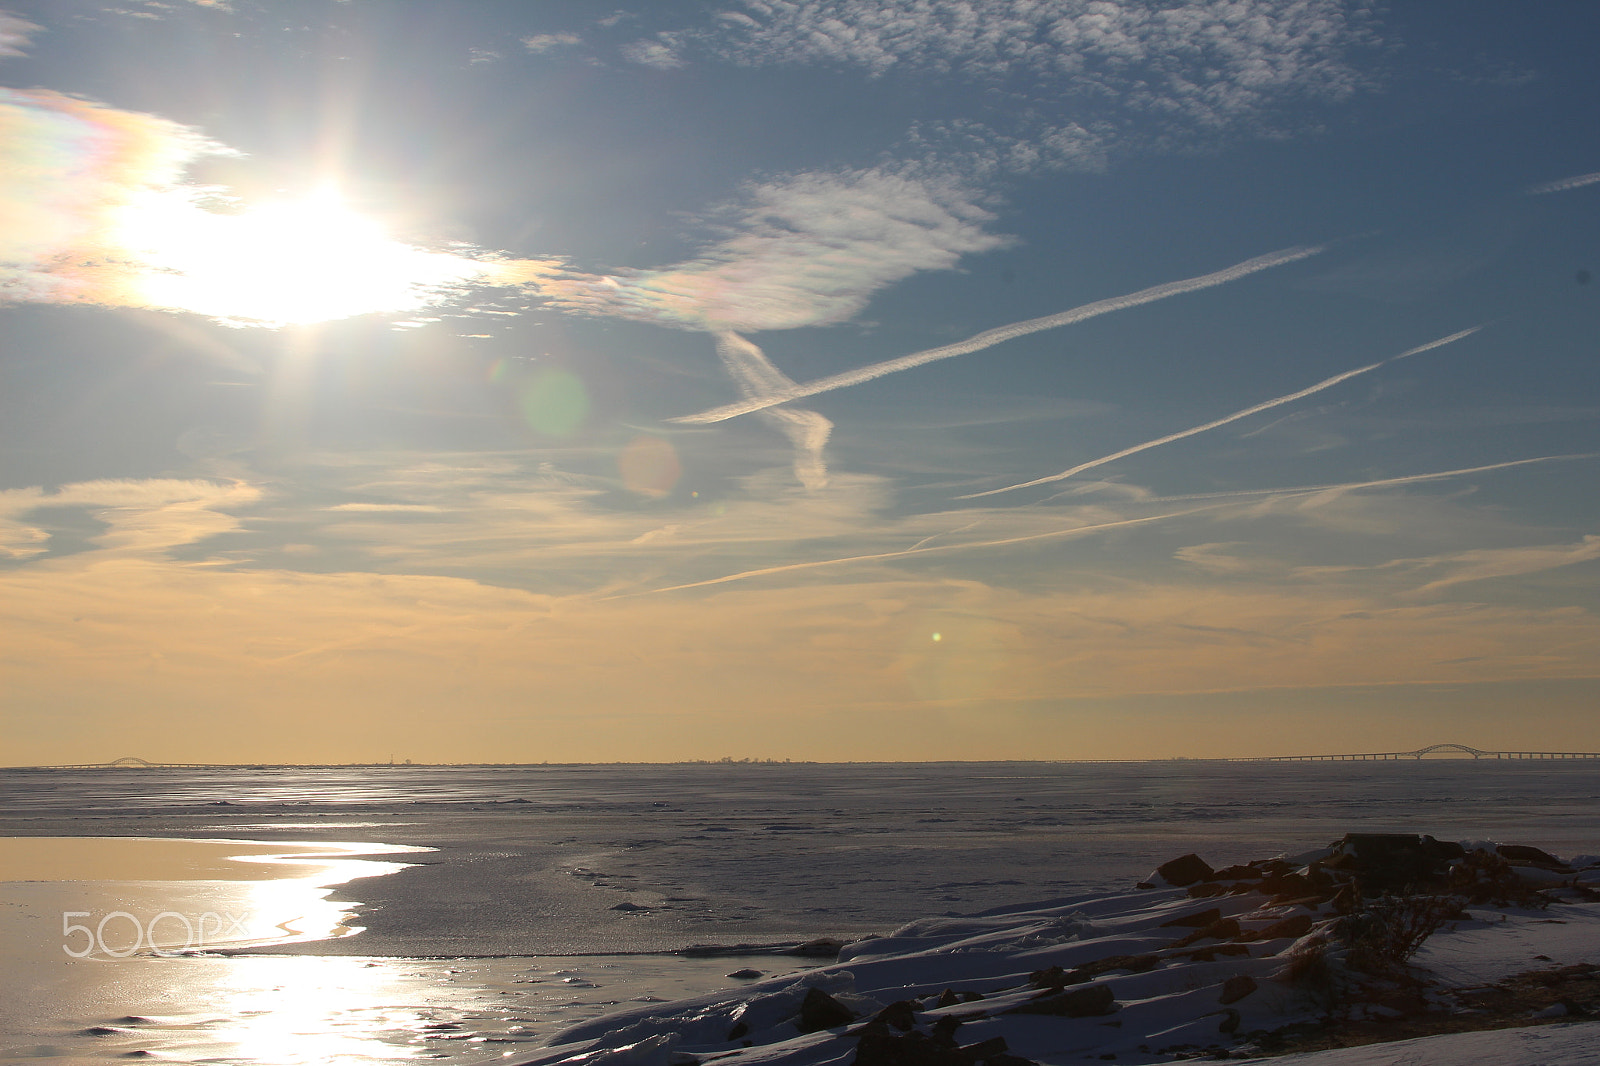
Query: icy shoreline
<point x="1195" y="963"/>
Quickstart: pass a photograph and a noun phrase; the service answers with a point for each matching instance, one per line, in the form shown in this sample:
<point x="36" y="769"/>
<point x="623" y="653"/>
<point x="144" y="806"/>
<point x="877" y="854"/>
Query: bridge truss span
<point x="1446" y="750"/>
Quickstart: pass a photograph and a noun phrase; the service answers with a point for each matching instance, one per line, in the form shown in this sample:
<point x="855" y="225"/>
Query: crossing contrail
<point x="1326" y="383"/>
<point x="756" y="377"/>
<point x="923" y="548"/>
<point x="989" y="338"/>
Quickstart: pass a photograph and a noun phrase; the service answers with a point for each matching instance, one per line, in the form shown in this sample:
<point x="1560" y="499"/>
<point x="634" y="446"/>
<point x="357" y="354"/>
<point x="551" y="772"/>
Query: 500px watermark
<point x="120" y="934"/>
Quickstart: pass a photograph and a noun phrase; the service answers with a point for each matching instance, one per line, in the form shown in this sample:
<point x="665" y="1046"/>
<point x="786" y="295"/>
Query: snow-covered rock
<point x="1213" y="967"/>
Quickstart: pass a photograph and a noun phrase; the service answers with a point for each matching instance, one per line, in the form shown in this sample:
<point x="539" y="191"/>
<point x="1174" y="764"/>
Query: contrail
<point x="1564" y="184"/>
<point x="756" y="377"/>
<point x="1267" y="405"/>
<point x="1298" y="490"/>
<point x="924" y="551"/>
<point x="989" y="338"/>
<point x="1344" y="486"/>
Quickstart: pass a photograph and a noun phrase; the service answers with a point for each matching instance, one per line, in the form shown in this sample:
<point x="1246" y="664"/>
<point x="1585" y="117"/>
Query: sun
<point x="286" y="262"/>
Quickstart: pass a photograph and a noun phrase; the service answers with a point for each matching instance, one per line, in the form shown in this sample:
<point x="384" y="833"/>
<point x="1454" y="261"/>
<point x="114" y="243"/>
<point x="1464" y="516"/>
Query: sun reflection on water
<point x="243" y="1006"/>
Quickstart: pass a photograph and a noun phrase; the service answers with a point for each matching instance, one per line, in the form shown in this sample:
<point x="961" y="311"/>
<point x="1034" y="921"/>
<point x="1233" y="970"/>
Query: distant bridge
<point x="1457" y="751"/>
<point x="133" y="762"/>
<point x="1435" y="749"/>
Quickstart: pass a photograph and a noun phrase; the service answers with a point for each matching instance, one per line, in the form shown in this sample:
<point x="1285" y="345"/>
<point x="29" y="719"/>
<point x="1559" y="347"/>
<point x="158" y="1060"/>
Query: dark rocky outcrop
<point x="820" y="1011"/>
<point x="1184" y="870"/>
<point x="900" y="1015"/>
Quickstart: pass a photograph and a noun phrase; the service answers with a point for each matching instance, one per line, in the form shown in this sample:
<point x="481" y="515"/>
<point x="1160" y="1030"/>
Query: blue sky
<point x="832" y="379"/>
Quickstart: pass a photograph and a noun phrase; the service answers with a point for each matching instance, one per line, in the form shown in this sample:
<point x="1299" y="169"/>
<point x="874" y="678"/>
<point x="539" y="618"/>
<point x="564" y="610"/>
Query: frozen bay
<point x="548" y="861"/>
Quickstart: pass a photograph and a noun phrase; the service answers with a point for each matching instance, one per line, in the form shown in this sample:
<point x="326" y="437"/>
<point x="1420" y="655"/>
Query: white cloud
<point x="540" y="43"/>
<point x="1220" y="557"/>
<point x="15" y="35"/>
<point x="661" y="53"/>
<point x="806" y="250"/>
<point x="1486" y="563"/>
<point x="1209" y="58"/>
<point x="1090" y="78"/>
<point x="142" y="517"/>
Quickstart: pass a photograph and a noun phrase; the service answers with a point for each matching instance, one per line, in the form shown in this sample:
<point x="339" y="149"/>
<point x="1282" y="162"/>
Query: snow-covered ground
<point x="1196" y="964"/>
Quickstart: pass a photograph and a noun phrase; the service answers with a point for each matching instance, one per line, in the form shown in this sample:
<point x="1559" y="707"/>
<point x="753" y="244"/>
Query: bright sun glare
<point x="289" y="262"/>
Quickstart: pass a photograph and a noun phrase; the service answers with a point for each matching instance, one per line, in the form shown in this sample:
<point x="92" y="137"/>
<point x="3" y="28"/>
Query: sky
<point x="844" y="380"/>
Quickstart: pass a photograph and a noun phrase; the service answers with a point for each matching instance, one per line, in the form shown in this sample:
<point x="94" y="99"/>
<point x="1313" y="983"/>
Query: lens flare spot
<point x="649" y="466"/>
<point x="553" y="402"/>
<point x="964" y="658"/>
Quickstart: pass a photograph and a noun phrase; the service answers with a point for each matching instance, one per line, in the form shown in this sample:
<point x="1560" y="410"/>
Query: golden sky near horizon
<point x="532" y="385"/>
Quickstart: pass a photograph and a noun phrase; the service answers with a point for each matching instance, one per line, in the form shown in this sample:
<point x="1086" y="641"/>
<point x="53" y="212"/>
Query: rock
<point x="947" y="998"/>
<point x="1085" y="1002"/>
<point x="1089" y="970"/>
<point x="821" y="1011"/>
<point x="944" y="1030"/>
<point x="879" y="1047"/>
<point x="900" y="1014"/>
<point x="1236" y="988"/>
<point x="1053" y="977"/>
<point x="626" y="906"/>
<point x="820" y="948"/>
<point x="983" y="1050"/>
<point x="1524" y="853"/>
<point x="1392" y="861"/>
<point x="747" y="974"/>
<point x="1184" y="870"/>
<point x="1226" y="929"/>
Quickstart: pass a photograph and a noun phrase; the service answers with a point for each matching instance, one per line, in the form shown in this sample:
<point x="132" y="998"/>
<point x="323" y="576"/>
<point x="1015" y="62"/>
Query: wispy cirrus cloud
<point x="1485" y="563"/>
<point x="806" y="250"/>
<point x="543" y="43"/>
<point x="16" y="34"/>
<point x="142" y="517"/>
<point x="661" y="52"/>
